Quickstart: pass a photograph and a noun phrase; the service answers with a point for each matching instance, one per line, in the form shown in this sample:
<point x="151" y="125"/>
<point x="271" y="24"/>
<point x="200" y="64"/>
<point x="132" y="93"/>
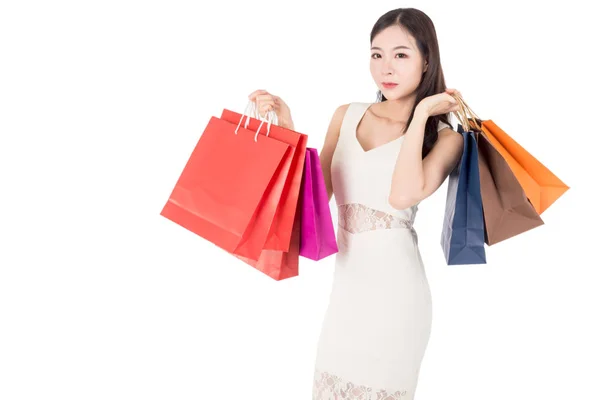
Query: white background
<point x="101" y="103"/>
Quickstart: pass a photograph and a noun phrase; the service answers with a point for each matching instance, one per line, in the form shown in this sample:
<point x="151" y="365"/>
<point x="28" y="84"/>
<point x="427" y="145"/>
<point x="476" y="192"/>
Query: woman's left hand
<point x="441" y="103"/>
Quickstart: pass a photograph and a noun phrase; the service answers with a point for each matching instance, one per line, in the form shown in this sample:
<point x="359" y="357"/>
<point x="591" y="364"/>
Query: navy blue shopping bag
<point x="463" y="231"/>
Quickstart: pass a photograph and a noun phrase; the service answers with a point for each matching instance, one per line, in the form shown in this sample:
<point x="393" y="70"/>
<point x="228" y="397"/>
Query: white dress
<point x="378" y="322"/>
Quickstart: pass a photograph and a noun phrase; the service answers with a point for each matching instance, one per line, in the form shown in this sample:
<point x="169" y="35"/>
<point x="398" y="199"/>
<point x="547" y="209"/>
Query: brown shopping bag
<point x="506" y="209"/>
<point x="541" y="185"/>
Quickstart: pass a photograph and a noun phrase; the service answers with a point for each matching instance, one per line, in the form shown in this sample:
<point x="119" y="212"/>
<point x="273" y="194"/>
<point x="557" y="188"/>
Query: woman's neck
<point x="397" y="111"/>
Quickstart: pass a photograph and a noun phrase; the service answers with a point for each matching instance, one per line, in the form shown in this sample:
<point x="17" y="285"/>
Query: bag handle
<point x="270" y="116"/>
<point x="464" y="113"/>
<point x="270" y="120"/>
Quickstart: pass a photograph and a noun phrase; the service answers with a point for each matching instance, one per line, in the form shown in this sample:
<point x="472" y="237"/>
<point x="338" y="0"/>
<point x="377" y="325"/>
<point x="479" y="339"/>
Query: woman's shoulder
<point x="357" y="105"/>
<point x="340" y="112"/>
<point x="349" y="110"/>
<point x="336" y="122"/>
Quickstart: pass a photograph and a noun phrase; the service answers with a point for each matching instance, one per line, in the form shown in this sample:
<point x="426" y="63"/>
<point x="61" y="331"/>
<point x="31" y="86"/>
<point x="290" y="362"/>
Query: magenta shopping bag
<point x="317" y="236"/>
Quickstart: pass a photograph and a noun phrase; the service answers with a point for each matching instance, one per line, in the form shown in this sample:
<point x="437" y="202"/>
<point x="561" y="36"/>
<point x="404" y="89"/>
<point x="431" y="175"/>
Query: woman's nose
<point x="387" y="67"/>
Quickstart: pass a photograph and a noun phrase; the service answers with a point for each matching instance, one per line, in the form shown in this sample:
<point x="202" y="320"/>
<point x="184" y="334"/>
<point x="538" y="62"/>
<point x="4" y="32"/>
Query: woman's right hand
<point x="266" y="102"/>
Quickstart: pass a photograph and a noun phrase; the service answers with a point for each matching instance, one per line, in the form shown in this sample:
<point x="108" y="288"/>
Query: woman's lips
<point x="389" y="85"/>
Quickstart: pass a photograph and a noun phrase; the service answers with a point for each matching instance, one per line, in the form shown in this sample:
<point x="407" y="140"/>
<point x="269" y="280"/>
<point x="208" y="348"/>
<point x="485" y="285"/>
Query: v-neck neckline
<point x="360" y="146"/>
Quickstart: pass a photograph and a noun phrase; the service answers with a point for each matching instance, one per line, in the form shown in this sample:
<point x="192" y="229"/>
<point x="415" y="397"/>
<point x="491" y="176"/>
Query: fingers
<point x="252" y="96"/>
<point x="265" y="97"/>
<point x="263" y="109"/>
<point x="265" y="102"/>
<point x="450" y="98"/>
<point x="262" y="96"/>
<point x="266" y="105"/>
<point x="453" y="92"/>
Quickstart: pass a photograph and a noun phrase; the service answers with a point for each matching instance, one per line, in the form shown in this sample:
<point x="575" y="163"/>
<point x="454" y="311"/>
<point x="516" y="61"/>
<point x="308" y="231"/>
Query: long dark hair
<point x="420" y="26"/>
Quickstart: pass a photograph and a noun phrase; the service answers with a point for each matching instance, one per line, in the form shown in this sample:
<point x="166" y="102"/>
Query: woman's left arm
<point x="415" y="178"/>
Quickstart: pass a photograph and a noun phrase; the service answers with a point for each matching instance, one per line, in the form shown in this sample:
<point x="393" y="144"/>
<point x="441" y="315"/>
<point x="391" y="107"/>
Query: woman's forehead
<point x="392" y="38"/>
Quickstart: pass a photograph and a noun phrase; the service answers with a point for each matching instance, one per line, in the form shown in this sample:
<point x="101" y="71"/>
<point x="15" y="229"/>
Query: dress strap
<point x="442" y="125"/>
<point x="354" y="114"/>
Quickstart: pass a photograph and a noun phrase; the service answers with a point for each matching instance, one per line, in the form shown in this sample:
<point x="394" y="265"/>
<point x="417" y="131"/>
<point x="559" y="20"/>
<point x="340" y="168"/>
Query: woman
<point x="380" y="160"/>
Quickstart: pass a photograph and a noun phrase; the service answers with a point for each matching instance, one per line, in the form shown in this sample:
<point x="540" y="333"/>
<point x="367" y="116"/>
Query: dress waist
<point x="356" y="218"/>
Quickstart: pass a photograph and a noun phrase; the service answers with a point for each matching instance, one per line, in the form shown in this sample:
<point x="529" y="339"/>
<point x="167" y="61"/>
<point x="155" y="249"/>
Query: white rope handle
<point x="271" y="116"/>
<point x="256" y="114"/>
<point x="270" y="120"/>
<point x="249" y="105"/>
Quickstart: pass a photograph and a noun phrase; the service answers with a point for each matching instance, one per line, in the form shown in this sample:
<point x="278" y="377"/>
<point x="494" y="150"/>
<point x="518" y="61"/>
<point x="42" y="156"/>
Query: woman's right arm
<point x="329" y="145"/>
<point x="266" y="102"/>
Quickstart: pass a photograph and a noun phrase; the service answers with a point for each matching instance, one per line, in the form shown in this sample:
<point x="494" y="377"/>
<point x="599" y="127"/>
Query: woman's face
<point x="395" y="58"/>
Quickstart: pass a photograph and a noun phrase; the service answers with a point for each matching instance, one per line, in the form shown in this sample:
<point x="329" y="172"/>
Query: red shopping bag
<point x="224" y="193"/>
<point x="281" y="230"/>
<point x="280" y="265"/>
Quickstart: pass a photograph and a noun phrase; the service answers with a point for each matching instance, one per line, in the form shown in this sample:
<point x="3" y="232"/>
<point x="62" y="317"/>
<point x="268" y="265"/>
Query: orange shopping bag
<point x="222" y="192"/>
<point x="281" y="229"/>
<point x="506" y="209"/>
<point x="541" y="186"/>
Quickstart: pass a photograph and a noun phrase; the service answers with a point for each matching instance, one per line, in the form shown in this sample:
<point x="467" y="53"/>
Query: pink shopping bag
<point x="317" y="236"/>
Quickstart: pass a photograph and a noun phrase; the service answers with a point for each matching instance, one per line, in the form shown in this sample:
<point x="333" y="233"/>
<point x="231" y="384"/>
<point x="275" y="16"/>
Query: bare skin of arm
<point x="329" y="145"/>
<point x="414" y="178"/>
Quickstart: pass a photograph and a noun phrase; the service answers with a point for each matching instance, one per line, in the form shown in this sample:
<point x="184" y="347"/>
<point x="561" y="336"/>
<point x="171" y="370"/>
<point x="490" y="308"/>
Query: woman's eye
<point x="376" y="55"/>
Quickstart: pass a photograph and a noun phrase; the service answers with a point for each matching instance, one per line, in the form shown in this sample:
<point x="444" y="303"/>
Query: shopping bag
<point x="506" y="209"/>
<point x="281" y="228"/>
<point x="317" y="235"/>
<point x="463" y="229"/>
<point x="277" y="264"/>
<point x="265" y="213"/>
<point x="222" y="191"/>
<point x="542" y="187"/>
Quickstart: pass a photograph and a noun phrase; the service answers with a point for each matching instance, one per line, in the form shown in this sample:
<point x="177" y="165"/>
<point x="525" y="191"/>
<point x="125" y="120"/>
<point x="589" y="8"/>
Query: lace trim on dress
<point x="328" y="386"/>
<point x="357" y="218"/>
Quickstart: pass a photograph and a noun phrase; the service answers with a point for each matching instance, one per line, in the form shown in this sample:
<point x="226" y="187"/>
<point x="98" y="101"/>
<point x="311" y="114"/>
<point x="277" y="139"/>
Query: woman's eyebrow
<point x="395" y="48"/>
